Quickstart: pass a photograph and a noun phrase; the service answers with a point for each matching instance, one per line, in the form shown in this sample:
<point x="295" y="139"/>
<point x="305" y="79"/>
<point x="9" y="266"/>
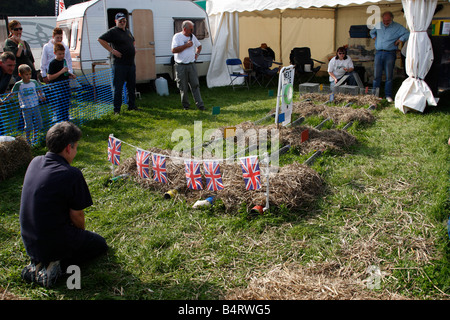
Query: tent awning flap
<point x="218" y="6"/>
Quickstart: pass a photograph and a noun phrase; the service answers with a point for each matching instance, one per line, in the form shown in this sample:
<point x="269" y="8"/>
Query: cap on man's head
<point x="120" y="16"/>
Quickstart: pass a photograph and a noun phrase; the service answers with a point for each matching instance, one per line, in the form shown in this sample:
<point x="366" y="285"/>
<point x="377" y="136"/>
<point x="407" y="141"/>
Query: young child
<point x="29" y="96"/>
<point x="59" y="72"/>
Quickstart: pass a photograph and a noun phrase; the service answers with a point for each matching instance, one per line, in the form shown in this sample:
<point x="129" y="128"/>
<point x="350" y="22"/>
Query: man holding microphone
<point x="186" y="49"/>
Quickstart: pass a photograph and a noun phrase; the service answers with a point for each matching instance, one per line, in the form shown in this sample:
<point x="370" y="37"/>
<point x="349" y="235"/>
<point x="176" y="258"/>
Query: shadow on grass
<point x="106" y="278"/>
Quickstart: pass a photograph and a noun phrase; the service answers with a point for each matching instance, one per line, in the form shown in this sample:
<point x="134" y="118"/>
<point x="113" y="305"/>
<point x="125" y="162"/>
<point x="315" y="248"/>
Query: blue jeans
<point x="122" y="74"/>
<point x="384" y="61"/>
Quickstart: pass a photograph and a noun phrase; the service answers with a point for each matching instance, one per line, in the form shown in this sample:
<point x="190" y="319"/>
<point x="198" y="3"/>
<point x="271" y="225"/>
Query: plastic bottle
<point x="204" y="203"/>
<point x="65" y="66"/>
<point x="122" y="176"/>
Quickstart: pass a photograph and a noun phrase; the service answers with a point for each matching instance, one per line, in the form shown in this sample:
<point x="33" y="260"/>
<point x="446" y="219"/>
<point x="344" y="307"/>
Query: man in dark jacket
<point x="7" y="66"/>
<point x="124" y="69"/>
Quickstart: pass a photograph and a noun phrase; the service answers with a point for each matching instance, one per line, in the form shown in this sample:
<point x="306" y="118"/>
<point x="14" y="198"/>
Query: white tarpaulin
<point x="224" y="29"/>
<point x="224" y="20"/>
<point x="414" y="93"/>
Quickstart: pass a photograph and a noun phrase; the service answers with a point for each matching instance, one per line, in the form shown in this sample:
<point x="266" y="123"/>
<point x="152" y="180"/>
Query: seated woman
<point x="339" y="66"/>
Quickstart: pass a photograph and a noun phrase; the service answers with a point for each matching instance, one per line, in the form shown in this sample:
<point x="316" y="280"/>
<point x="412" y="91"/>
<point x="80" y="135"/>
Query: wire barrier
<point x="77" y="100"/>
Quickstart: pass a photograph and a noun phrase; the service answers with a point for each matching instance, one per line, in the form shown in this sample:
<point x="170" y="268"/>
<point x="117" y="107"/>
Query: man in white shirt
<point x="48" y="53"/>
<point x="186" y="49"/>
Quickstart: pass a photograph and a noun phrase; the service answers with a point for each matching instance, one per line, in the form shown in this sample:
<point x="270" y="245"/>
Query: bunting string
<point x="250" y="167"/>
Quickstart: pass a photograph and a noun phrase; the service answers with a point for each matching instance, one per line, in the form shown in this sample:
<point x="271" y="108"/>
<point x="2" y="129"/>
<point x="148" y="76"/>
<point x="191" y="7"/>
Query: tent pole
<point x="281" y="36"/>
<point x="334" y="31"/>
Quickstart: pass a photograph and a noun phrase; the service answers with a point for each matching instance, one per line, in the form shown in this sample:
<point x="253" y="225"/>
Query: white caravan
<point x="152" y="22"/>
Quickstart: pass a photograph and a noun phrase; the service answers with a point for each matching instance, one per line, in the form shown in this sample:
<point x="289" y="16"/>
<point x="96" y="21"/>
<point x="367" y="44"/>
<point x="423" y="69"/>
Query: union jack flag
<point x="114" y="147"/>
<point x="251" y="173"/>
<point x="143" y="163"/>
<point x="159" y="168"/>
<point x="212" y="175"/>
<point x="193" y="175"/>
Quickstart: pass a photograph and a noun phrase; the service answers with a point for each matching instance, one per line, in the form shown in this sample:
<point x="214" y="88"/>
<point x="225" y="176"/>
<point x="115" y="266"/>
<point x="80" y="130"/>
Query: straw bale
<point x="294" y="186"/>
<point x="335" y="113"/>
<point x="339" y="98"/>
<point x="335" y="139"/>
<point x="14" y="155"/>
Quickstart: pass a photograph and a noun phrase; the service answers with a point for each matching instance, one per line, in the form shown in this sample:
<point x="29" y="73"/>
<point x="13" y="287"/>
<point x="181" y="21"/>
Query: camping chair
<point x="262" y="65"/>
<point x="236" y="71"/>
<point x="300" y="57"/>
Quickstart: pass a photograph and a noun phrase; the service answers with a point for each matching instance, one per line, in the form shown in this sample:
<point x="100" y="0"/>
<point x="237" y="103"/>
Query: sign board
<point x="285" y="95"/>
<point x="440" y="27"/>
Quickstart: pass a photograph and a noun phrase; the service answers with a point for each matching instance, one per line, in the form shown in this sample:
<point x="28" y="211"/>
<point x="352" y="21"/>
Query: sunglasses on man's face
<point x="17" y="29"/>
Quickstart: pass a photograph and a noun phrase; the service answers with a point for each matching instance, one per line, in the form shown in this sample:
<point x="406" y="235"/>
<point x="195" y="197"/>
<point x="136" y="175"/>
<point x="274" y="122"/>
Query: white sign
<point x="284" y="96"/>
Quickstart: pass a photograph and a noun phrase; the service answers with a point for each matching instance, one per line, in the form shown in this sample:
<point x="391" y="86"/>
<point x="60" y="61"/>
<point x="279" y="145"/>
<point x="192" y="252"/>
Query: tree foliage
<point x="32" y="7"/>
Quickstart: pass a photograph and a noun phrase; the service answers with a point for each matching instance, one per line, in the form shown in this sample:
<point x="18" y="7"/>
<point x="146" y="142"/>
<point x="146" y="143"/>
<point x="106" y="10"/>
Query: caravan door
<point x="145" y="44"/>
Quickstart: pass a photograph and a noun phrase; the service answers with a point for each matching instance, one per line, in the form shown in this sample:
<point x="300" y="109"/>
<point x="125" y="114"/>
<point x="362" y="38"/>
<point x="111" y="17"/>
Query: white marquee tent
<point x="414" y="92"/>
<point x="224" y="21"/>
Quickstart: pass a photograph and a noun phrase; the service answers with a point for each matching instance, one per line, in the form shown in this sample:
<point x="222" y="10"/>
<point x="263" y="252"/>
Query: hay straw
<point x="339" y="98"/>
<point x="335" y="139"/>
<point x="337" y="114"/>
<point x="321" y="281"/>
<point x="294" y="186"/>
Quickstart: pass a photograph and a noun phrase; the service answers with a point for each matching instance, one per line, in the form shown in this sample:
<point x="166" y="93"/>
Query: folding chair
<point x="304" y="64"/>
<point x="262" y="65"/>
<point x="236" y="71"/>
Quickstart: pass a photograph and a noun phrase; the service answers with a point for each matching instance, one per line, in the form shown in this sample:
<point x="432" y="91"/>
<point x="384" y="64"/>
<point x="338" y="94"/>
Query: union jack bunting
<point x="212" y="175"/>
<point x="159" y="168"/>
<point x="251" y="173"/>
<point x="114" y="147"/>
<point x="143" y="163"/>
<point x="193" y="175"/>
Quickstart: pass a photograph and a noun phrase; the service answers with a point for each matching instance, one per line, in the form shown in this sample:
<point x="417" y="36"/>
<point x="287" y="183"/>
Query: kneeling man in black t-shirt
<point x="52" y="221"/>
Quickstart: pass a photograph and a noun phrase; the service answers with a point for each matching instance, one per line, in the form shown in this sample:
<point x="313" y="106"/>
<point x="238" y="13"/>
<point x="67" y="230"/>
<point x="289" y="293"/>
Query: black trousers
<point x="83" y="247"/>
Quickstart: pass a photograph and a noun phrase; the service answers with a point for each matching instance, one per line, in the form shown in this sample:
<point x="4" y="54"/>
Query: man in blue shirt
<point x="388" y="35"/>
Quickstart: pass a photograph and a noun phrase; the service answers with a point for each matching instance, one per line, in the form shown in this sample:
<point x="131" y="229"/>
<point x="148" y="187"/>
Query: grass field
<point x="386" y="205"/>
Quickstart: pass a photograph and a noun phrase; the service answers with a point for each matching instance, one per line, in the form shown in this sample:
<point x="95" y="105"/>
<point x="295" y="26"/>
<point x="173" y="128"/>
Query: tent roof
<point x="218" y="6"/>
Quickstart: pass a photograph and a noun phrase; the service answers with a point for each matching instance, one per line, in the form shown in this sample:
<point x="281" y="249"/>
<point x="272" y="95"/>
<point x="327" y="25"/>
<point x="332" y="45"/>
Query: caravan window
<point x="66" y="33"/>
<point x="200" y="27"/>
<point x="70" y="33"/>
<point x="74" y="35"/>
